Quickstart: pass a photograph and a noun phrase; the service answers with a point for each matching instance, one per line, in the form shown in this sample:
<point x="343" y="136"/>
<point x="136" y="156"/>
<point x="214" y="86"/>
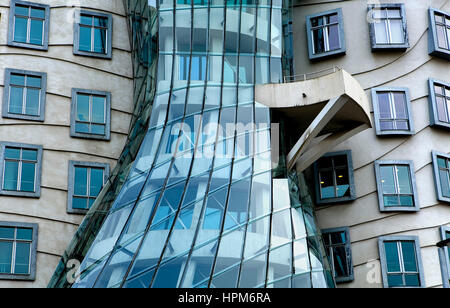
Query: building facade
<point x="251" y="143"/>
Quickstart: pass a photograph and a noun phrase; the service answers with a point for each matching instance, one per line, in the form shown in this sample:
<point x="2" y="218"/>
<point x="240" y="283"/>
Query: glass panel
<point x="409" y="256"/>
<point x="12" y="153"/>
<point x="80" y="203"/>
<point x="5" y="257"/>
<point x="22" y="262"/>
<point x="20" y="29"/>
<point x="37" y="12"/>
<point x="395" y="280"/>
<point x="445" y="182"/>
<point x="404" y="181"/>
<point x="342" y="181"/>
<point x="100" y="40"/>
<point x="393" y="13"/>
<point x="392" y="257"/>
<point x="441" y="36"/>
<point x="28" y="177"/>
<point x="22" y="10"/>
<point x="7" y="233"/>
<point x="338" y="238"/>
<point x="387" y="179"/>
<point x="16" y="100"/>
<point x="34" y="82"/>
<point x="340" y="261"/>
<point x="11" y="175"/>
<point x="384" y="105"/>
<point x="412" y="280"/>
<point x="96" y="182"/>
<point x="33" y="97"/>
<point x="333" y="37"/>
<point x="400" y="105"/>
<point x="327" y="189"/>
<point x="381" y="36"/>
<point x="24" y="234"/>
<point x="80" y="181"/>
<point x="36" y="32"/>
<point x="85" y="39"/>
<point x="100" y="22"/>
<point x="441" y="109"/>
<point x="98" y="109"/>
<point x="86" y="20"/>
<point x="318" y="41"/>
<point x="83" y="108"/>
<point x="82" y="128"/>
<point x="397" y="36"/>
<point x="17" y="79"/>
<point x="98" y="129"/>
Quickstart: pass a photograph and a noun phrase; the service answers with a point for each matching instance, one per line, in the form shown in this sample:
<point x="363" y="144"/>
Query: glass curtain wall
<point x="202" y="204"/>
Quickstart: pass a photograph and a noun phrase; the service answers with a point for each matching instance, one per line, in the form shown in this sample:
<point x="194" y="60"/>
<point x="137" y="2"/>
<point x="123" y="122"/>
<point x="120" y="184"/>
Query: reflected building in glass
<point x="202" y="195"/>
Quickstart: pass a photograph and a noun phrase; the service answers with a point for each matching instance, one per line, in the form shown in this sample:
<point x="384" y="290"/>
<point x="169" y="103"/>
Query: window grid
<point x="442" y="23"/>
<point x="89" y="197"/>
<point x="334" y="170"/>
<point x="330" y="248"/>
<point x="26" y="87"/>
<point x="326" y="28"/>
<point x="395" y="117"/>
<point x="29" y="20"/>
<point x="398" y="194"/>
<point x="90" y="121"/>
<point x="93" y="27"/>
<point x="445" y="169"/>
<point x="387" y="20"/>
<point x="20" y="162"/>
<point x="442" y="99"/>
<point x="403" y="272"/>
<point x="14" y="242"/>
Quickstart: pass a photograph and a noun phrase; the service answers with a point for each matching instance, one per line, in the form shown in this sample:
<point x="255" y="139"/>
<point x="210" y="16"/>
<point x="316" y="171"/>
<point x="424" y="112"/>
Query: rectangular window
<point x="439" y="100"/>
<point x="396" y="186"/>
<point x="24" y="95"/>
<point x="392" y="111"/>
<point x="93" y="34"/>
<point x="85" y="182"/>
<point x="401" y="263"/>
<point x="337" y="246"/>
<point x="28" y="25"/>
<point x="91" y="113"/>
<point x="334" y="178"/>
<point x="439" y="33"/>
<point x="441" y="168"/>
<point x="325" y="34"/>
<point x="21" y="169"/>
<point x="17" y="250"/>
<point x="388" y="28"/>
<point x="444" y="256"/>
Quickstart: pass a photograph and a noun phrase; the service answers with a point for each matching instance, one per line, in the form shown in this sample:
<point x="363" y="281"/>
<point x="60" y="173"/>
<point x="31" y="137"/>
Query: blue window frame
<point x="334" y="178"/>
<point x="401" y="261"/>
<point x="392" y="111"/>
<point x="325" y="32"/>
<point x="439" y="102"/>
<point x="387" y="27"/>
<point x="28" y="25"/>
<point x="441" y="169"/>
<point x="444" y="256"/>
<point x="93" y="34"/>
<point x="18" y="245"/>
<point x="396" y="186"/>
<point x="338" y="248"/>
<point x="86" y="179"/>
<point x="439" y="33"/>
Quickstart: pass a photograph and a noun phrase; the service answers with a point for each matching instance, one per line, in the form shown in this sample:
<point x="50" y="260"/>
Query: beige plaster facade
<point x="64" y="72"/>
<point x="412" y="69"/>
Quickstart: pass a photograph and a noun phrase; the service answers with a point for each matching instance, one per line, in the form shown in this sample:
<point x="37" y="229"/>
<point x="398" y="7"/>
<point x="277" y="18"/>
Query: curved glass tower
<point x="201" y="196"/>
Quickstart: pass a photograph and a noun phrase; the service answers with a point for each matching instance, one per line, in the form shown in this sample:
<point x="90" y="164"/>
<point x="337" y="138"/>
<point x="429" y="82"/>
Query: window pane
<point x="332" y="19"/>
<point x="97" y="129"/>
<point x="6" y="233"/>
<point x="34" y="82"/>
<point x="393" y="13"/>
<point x="404" y="181"/>
<point x="326" y="185"/>
<point x="36" y="32"/>
<point x="391" y="200"/>
<point x="32" y="106"/>
<point x="406" y="201"/>
<point x="22" y="10"/>
<point x="400" y="105"/>
<point x="100" y="22"/>
<point x="340" y="262"/>
<point x="338" y="238"/>
<point x="24" y="234"/>
<point x="28" y="175"/>
<point x="342" y="180"/>
<point x="86" y="20"/>
<point x="20" y="30"/>
<point x="381" y="36"/>
<point x="16" y="100"/>
<point x="80" y="182"/>
<point x="29" y="154"/>
<point x="441" y="109"/>
<point x="409" y="256"/>
<point x="83" y="108"/>
<point x="318" y="41"/>
<point x="96" y="181"/>
<point x="387" y="179"/>
<point x="317" y="21"/>
<point x="412" y="280"/>
<point x="333" y="37"/>
<point x="22" y="258"/>
<point x="392" y="258"/>
<point x="38" y="13"/>
<point x="17" y="79"/>
<point x="340" y="161"/>
<point x="384" y="105"/>
<point x="395" y="280"/>
<point x="12" y="153"/>
<point x="79" y="203"/>
<point x="445" y="182"/>
<point x="401" y="125"/>
<point x="85" y="39"/>
<point x="100" y="40"/>
<point x="82" y="128"/>
<point x="98" y="109"/>
<point x="441" y="36"/>
<point x="11" y="172"/>
<point x="5" y="257"/>
<point x="387" y="125"/>
<point x="441" y="162"/>
<point x="397" y="36"/>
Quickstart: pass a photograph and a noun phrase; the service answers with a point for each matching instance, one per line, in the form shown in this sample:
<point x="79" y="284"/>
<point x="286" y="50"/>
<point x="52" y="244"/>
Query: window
<point x="441" y="168"/>
<point x="18" y="242"/>
<point x="198" y="65"/>
<point x="334" y="178"/>
<point x="86" y="179"/>
<point x="24" y="95"/>
<point x="325" y="32"/>
<point x="21" y="169"/>
<point x="28" y="25"/>
<point x="337" y="246"/>
<point x="91" y="114"/>
<point x="392" y="111"/>
<point x="401" y="262"/>
<point x="444" y="255"/>
<point x="388" y="28"/>
<point x="93" y="34"/>
<point x="439" y="101"/>
<point x="396" y="186"/>
<point x="439" y="34"/>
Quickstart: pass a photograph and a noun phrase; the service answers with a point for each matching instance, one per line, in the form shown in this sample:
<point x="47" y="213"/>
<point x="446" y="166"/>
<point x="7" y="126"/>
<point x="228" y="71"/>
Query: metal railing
<point x="307" y="76"/>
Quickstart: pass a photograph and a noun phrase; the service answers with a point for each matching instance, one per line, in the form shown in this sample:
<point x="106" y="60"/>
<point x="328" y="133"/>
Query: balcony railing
<point x="307" y="76"/>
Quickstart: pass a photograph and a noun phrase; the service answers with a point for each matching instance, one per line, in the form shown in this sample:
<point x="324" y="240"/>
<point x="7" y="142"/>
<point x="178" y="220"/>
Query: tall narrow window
<point x="396" y="186"/>
<point x="439" y="33"/>
<point x="444" y="255"/>
<point x="388" y="28"/>
<point x="85" y="182"/>
<point x="337" y="246"/>
<point x="21" y="166"/>
<point x="325" y="34"/>
<point x="392" y="111"/>
<point x="93" y="34"/>
<point x="334" y="178"/>
<point x="18" y="250"/>
<point x="24" y="95"/>
<point x="441" y="167"/>
<point x="401" y="263"/>
<point x="28" y="25"/>
<point x="439" y="100"/>
<point x="91" y="114"/>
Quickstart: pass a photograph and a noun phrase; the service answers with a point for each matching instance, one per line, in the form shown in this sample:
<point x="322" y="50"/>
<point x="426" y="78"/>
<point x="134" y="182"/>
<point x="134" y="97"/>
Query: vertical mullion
<point x="91" y="107"/>
<point x="393" y="109"/>
<point x="88" y="187"/>
<point x="334" y="179"/>
<point x="19" y="171"/>
<point x="92" y="34"/>
<point x="401" y="261"/>
<point x="13" y="253"/>
<point x="396" y="183"/>
<point x="29" y="26"/>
